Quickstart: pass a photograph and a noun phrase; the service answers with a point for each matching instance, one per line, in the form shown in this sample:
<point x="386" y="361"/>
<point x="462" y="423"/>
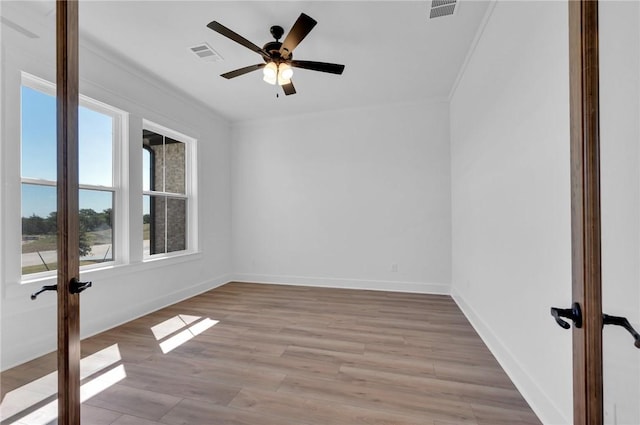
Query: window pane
<point x="165" y="223"/>
<point x="174" y="166"/>
<point x="157" y="230"/>
<point x="146" y="169"/>
<point x="153" y="143"/>
<point x="95" y="140"/>
<point x="146" y="225"/>
<point x="166" y="163"/>
<point x="96" y="226"/>
<point x="39" y="227"/>
<point x="95" y="143"/>
<point x="176" y="224"/>
<point x="38" y="135"/>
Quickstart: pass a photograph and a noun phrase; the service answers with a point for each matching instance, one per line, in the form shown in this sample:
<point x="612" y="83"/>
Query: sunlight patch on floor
<point x="175" y="326"/>
<point x="169" y="326"/>
<point x="29" y="396"/>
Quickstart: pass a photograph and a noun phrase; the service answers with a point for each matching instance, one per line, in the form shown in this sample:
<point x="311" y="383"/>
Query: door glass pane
<point x="28" y="138"/>
<point x="96" y="227"/>
<point x="38" y="128"/>
<point x="620" y="202"/>
<point x="95" y="147"/>
<point x="39" y="227"/>
<point x="38" y="111"/>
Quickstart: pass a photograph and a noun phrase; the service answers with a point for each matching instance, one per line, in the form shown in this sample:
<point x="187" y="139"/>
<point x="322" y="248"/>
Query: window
<point x="166" y="191"/>
<point x="98" y="140"/>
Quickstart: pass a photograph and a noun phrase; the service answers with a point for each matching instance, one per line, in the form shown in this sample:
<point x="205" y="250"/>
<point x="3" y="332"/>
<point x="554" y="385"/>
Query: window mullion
<point x="165" y="194"/>
<point x="40" y="182"/>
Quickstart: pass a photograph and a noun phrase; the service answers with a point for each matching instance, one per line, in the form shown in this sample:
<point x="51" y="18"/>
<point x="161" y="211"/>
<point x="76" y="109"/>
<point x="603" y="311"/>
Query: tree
<point x="106" y="217"/>
<point x="89" y="221"/>
<point x="84" y="243"/>
<point x="34" y="225"/>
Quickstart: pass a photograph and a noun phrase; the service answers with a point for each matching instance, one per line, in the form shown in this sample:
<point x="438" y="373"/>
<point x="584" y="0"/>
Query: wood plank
<point x="132" y="420"/>
<point x="134" y="401"/>
<point x="430" y="406"/>
<point x="194" y="412"/>
<point x="298" y="408"/>
<point x="67" y="213"/>
<point x="585" y="211"/>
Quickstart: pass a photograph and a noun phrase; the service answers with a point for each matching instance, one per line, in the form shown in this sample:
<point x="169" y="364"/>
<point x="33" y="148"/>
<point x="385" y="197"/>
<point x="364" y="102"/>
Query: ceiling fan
<point x="278" y="57"/>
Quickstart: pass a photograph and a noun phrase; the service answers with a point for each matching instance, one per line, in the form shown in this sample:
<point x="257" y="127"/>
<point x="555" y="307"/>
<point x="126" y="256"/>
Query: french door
<point x="604" y="204"/>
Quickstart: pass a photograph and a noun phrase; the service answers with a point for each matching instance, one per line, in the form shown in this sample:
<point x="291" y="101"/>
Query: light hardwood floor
<point x="250" y="354"/>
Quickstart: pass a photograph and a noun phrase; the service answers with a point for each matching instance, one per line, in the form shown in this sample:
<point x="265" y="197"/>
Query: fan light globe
<point x="282" y="81"/>
<point x="286" y="72"/>
<point x="270" y="73"/>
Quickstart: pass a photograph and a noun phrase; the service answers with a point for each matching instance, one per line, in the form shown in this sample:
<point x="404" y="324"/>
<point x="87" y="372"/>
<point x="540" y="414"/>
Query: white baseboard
<point x="541" y="404"/>
<point x="329" y="282"/>
<point x="33" y="348"/>
<point x="95" y="327"/>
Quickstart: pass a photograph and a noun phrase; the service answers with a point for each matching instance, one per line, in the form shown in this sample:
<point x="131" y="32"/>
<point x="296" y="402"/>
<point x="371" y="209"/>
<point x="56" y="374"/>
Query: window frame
<point x="119" y="168"/>
<point x="190" y="192"/>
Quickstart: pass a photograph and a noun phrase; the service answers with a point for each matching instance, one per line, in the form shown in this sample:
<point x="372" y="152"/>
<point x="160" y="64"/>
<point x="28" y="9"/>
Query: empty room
<point x="320" y="212"/>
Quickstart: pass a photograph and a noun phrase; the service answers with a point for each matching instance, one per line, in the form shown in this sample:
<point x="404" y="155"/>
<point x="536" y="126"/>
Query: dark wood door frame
<point x="585" y="210"/>
<point x="67" y="187"/>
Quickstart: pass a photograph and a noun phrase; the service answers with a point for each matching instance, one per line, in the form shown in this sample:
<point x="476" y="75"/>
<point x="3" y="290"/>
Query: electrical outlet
<point x="394" y="268"/>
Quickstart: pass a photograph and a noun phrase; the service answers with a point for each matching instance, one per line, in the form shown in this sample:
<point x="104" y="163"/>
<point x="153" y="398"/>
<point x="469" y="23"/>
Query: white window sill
<point x="96" y="273"/>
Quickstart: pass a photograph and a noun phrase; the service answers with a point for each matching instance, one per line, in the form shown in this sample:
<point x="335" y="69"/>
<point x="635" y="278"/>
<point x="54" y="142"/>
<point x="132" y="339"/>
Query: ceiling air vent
<point x="441" y="8"/>
<point x="206" y="52"/>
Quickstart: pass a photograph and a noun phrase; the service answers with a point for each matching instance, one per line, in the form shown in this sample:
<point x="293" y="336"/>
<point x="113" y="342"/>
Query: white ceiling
<point x="392" y="51"/>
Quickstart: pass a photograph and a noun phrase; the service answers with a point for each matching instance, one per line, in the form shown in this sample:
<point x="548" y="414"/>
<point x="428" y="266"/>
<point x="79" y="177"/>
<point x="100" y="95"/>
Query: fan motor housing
<point x="273" y="48"/>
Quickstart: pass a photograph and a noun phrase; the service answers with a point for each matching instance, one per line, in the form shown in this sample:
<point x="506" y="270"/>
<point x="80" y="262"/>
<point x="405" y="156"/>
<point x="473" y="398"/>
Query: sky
<point x="39" y="154"/>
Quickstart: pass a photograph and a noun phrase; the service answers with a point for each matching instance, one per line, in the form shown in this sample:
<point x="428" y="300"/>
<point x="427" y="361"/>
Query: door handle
<point x="574" y="314"/>
<point x="75" y="286"/>
<point x="44" y="288"/>
<point x="622" y="321"/>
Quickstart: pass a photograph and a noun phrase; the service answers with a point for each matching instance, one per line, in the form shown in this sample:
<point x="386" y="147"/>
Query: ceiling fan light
<point x="270" y="73"/>
<point x="282" y="81"/>
<point x="286" y="72"/>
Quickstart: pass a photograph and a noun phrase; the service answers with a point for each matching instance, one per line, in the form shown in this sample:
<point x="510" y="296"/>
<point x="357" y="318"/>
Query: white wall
<point x="511" y="198"/>
<point x="123" y="292"/>
<point x="620" y="198"/>
<point x="338" y="198"/>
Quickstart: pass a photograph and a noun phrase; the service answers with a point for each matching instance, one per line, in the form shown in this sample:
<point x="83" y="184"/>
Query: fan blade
<point x="242" y="71"/>
<point x="332" y="68"/>
<point x="303" y="26"/>
<point x="221" y="29"/>
<point x="288" y="88"/>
